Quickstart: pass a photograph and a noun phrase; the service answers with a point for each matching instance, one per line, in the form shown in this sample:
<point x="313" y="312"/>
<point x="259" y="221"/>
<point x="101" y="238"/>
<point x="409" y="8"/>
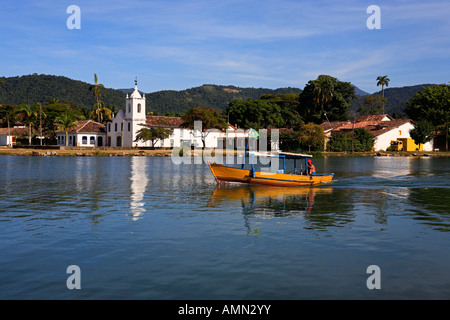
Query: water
<point x="144" y="228"/>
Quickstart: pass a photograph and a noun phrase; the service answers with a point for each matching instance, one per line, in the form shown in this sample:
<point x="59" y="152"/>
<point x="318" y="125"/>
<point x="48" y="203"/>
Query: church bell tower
<point x="134" y="115"/>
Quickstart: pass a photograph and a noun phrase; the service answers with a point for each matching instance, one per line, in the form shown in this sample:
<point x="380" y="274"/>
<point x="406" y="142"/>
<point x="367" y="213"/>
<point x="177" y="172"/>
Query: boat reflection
<point x="268" y="200"/>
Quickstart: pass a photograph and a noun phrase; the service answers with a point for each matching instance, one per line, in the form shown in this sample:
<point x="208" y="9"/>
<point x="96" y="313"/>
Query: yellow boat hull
<point x="223" y="173"/>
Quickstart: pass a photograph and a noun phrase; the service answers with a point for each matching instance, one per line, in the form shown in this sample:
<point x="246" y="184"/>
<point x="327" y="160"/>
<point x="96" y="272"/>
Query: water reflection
<point x="431" y="206"/>
<point x="139" y="183"/>
<point x="318" y="207"/>
<point x="267" y="200"/>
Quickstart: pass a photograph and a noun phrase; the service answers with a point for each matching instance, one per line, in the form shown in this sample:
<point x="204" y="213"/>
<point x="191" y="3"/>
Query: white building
<point x="383" y="127"/>
<point x="85" y="133"/>
<point x="9" y="136"/>
<point x="123" y="128"/>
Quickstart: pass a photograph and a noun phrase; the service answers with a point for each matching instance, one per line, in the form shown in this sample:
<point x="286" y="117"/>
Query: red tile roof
<point x="87" y="126"/>
<point x="386" y="126"/>
<point x="14" y="131"/>
<point x="164" y="122"/>
<point x="375" y="117"/>
<point x="374" y="124"/>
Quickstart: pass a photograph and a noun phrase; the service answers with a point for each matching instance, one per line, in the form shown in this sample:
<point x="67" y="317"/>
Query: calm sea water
<point x="145" y="228"/>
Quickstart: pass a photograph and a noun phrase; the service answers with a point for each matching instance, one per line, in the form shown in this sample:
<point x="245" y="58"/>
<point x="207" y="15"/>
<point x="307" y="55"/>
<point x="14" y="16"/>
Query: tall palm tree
<point x="38" y="108"/>
<point x="9" y="114"/>
<point x="95" y="88"/>
<point x="101" y="112"/>
<point x="383" y="81"/>
<point x="28" y="116"/>
<point x="323" y="90"/>
<point x="66" y="121"/>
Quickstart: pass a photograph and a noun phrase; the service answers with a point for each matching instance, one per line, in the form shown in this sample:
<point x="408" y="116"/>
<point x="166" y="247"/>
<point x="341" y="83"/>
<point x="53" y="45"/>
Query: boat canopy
<point x="286" y="155"/>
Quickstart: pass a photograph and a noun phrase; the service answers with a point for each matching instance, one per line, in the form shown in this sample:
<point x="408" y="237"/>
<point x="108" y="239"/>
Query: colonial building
<point x="383" y="127"/>
<point x="8" y="137"/>
<point x="123" y="128"/>
<point x="85" y="133"/>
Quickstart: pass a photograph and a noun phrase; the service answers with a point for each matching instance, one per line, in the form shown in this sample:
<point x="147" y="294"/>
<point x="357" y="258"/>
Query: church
<point x="122" y="129"/>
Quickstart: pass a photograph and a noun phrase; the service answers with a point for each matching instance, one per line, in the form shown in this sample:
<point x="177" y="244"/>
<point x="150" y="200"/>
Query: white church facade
<point x="122" y="130"/>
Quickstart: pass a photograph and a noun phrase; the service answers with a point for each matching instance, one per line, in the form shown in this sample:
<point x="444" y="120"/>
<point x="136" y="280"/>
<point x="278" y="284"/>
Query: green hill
<point x="397" y="97"/>
<point x="34" y="88"/>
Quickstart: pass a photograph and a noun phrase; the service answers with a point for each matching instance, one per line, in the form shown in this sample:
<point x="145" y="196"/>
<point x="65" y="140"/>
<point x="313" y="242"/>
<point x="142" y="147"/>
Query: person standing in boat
<point x="311" y="168"/>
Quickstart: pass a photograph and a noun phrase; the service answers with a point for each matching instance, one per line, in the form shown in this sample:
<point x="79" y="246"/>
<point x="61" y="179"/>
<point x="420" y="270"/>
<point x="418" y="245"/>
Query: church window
<point x="109" y="127"/>
<point x="115" y="127"/>
<point x="129" y="126"/>
<point x="121" y="127"/>
<point x="139" y="108"/>
<point x="129" y="108"/>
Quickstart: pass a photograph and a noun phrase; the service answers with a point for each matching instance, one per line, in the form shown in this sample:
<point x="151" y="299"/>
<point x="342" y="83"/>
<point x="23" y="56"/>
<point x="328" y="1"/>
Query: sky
<point x="180" y="44"/>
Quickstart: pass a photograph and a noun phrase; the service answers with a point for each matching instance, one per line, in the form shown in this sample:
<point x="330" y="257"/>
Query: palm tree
<point x="101" y="112"/>
<point x="9" y="113"/>
<point x="323" y="90"/>
<point x="95" y="88"/>
<point x="383" y="81"/>
<point x="66" y="121"/>
<point x="38" y="106"/>
<point x="28" y="116"/>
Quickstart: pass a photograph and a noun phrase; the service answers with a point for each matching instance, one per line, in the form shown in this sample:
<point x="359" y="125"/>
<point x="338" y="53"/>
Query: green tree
<point x="433" y="105"/>
<point x="359" y="140"/>
<point x="152" y="134"/>
<point x="96" y="89"/>
<point x="8" y="113"/>
<point x="100" y="113"/>
<point x="288" y="104"/>
<point x="28" y="115"/>
<point x="323" y="90"/>
<point x="40" y="115"/>
<point x="209" y="117"/>
<point x="422" y="132"/>
<point x="312" y="135"/>
<point x="325" y="95"/>
<point x="256" y="114"/>
<point x="372" y="104"/>
<point x="66" y="121"/>
<point x="383" y="81"/>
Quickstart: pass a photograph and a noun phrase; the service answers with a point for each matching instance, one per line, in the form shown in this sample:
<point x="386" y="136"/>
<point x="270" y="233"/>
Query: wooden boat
<point x="224" y="173"/>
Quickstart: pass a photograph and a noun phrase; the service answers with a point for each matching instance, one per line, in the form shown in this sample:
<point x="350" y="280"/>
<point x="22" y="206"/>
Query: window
<point x="129" y="126"/>
<point x="84" y="140"/>
<point x="109" y="127"/>
<point x="121" y="127"/>
<point x="139" y="108"/>
<point x="115" y="127"/>
<point x="92" y="140"/>
<point x="129" y="108"/>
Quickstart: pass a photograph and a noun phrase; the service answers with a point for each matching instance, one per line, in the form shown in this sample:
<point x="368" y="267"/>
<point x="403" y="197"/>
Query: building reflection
<point x="139" y="181"/>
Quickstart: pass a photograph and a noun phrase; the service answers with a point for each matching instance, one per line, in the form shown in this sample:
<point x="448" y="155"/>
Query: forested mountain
<point x="208" y="95"/>
<point x="397" y="97"/>
<point x="34" y="88"/>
